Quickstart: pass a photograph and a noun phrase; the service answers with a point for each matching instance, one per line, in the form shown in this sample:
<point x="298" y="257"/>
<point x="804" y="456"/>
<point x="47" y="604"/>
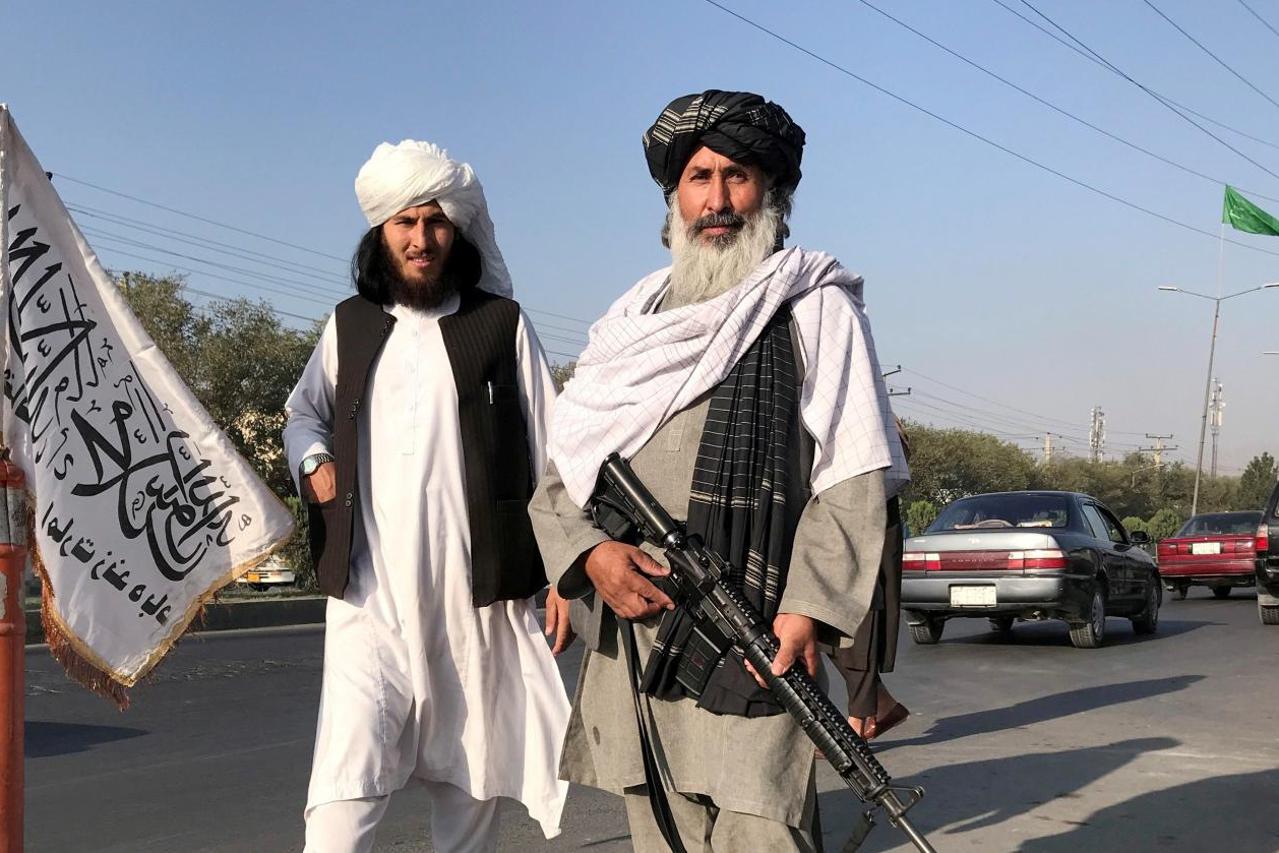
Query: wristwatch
<point x="315" y="460"/>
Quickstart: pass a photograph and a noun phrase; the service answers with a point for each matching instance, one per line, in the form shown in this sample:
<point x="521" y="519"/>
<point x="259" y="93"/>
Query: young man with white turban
<point x="417" y="433"/>
<point x="742" y="385"/>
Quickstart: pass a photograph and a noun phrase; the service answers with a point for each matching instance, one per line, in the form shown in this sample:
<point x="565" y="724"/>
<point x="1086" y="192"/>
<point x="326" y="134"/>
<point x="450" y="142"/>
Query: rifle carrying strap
<point x="657" y="796"/>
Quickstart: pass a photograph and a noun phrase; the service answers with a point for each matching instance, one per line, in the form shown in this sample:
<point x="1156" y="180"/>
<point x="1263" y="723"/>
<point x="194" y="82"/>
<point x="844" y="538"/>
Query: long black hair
<point x="375" y="278"/>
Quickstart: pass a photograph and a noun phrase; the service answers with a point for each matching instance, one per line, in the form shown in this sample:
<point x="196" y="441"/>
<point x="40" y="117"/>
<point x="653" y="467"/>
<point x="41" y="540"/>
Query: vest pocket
<point x="518" y="555"/>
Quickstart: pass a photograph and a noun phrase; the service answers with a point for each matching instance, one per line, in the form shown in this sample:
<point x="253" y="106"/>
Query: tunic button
<point x="349" y="497"/>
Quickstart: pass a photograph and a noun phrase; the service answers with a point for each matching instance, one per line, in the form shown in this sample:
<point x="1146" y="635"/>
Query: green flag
<point x="1243" y="215"/>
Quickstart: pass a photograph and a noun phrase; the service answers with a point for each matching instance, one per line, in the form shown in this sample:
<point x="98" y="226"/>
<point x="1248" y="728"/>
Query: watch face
<point x="308" y="466"/>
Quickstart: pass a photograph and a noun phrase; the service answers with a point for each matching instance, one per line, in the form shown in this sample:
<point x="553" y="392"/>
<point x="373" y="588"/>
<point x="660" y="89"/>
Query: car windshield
<point x="1003" y="511"/>
<point x="1221" y="524"/>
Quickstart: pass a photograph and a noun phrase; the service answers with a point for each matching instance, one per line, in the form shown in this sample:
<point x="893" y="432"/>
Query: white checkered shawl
<point x="641" y="368"/>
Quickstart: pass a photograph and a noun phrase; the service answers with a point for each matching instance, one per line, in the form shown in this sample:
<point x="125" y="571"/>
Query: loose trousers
<point x="459" y="822"/>
<point x="705" y="828"/>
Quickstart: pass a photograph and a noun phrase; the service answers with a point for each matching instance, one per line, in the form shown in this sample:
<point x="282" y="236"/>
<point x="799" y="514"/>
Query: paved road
<point x="1166" y="743"/>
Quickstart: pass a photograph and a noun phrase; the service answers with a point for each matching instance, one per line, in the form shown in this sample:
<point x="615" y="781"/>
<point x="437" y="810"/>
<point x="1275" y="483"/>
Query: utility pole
<point x="895" y="392"/>
<point x="1097" y="434"/>
<point x="1214" y="420"/>
<point x="1048" y="448"/>
<point x="1158" y="450"/>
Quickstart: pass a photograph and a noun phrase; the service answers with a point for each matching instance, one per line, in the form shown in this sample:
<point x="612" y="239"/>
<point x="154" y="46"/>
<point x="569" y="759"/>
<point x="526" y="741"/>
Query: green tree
<point x="237" y="358"/>
<point x="951" y="463"/>
<point x="1256" y="483"/>
<point x="1132" y="523"/>
<point x="1164" y="523"/>
<point x="562" y="373"/>
<point x="919" y="515"/>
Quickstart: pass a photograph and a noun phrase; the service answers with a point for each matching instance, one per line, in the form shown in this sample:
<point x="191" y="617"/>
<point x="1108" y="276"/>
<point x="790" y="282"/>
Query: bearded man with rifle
<point x="742" y="386"/>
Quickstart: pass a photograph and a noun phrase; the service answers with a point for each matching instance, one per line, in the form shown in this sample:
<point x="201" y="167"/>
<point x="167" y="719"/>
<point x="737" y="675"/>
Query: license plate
<point x="1205" y="547"/>
<point x="972" y="596"/>
<point x="252" y="577"/>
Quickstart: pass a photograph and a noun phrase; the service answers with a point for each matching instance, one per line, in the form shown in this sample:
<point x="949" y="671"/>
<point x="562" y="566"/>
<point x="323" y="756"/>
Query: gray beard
<point x="702" y="271"/>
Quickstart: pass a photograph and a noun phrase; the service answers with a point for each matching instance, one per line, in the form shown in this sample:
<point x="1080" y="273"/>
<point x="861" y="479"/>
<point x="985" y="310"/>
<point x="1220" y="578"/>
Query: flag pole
<point x="13" y="559"/>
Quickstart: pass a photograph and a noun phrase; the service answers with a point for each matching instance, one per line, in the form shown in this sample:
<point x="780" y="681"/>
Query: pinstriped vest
<point x="480" y="341"/>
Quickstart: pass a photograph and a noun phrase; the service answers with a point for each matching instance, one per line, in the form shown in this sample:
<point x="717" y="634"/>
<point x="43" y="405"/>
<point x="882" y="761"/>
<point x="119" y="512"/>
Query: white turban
<point x="413" y="173"/>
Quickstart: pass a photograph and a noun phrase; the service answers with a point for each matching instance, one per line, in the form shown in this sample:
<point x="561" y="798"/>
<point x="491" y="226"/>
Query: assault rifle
<point x="698" y="579"/>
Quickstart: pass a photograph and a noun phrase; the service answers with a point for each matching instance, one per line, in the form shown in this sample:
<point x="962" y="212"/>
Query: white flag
<point x="141" y="506"/>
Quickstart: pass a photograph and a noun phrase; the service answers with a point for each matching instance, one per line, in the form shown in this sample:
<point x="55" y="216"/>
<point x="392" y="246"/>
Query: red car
<point x="1217" y="550"/>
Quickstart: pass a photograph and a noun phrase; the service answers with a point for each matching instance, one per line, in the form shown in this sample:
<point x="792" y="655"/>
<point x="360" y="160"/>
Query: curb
<point x="236" y="615"/>
<point x="232" y="615"/>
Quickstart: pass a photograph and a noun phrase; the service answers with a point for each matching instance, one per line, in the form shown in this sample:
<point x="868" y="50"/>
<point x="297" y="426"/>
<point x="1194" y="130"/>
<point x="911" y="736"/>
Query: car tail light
<point x="1048" y="558"/>
<point x="1167" y="549"/>
<point x="1262" y="542"/>
<point x="921" y="560"/>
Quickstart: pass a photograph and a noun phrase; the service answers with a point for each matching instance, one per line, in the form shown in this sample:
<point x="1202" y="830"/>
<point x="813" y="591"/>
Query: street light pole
<point x="1203" y="423"/>
<point x="1212" y="351"/>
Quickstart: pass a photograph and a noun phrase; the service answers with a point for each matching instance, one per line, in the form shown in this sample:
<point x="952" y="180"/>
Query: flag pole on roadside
<point x="13" y="560"/>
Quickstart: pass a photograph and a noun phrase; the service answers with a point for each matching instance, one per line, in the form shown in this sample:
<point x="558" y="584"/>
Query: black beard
<point x="423" y="296"/>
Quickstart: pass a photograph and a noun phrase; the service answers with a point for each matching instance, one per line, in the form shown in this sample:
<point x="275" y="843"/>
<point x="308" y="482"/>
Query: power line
<point x="142" y="225"/>
<point x="1036" y="422"/>
<point x="1205" y="49"/>
<point x="207" y="295"/>
<point x="1168" y="104"/>
<point x="1264" y="22"/>
<point x="204" y="242"/>
<point x="1057" y="109"/>
<point x="1010" y="421"/>
<point x="287" y="282"/>
<point x="1007" y="8"/>
<point x="197" y="217"/>
<point x="975" y="135"/>
<point x="249" y="284"/>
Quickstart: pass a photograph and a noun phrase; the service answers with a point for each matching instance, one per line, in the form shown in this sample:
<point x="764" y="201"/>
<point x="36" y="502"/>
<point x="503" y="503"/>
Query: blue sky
<point x="983" y="272"/>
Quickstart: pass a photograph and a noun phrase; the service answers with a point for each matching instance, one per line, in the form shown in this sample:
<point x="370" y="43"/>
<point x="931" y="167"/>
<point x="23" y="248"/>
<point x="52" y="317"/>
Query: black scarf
<point x="749" y="488"/>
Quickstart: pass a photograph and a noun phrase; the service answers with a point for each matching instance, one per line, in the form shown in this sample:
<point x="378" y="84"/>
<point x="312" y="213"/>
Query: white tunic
<point x="418" y="682"/>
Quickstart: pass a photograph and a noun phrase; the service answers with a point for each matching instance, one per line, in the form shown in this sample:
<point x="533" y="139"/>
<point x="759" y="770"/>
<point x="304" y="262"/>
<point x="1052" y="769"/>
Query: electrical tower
<point x="1097" y="434"/>
<point x="1158" y="450"/>
<point x="1215" y="406"/>
<point x="1048" y="448"/>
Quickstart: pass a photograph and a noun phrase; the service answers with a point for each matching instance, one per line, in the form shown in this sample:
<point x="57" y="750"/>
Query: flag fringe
<point x="62" y="644"/>
<point x="79" y="661"/>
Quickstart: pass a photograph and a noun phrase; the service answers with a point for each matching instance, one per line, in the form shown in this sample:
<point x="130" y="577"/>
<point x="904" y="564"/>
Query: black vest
<point x="480" y="341"/>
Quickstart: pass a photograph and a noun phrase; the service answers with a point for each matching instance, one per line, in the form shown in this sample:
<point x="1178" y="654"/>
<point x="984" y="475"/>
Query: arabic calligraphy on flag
<point x="142" y="508"/>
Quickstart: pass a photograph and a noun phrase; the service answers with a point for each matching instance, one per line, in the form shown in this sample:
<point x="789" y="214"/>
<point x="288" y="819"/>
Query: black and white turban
<point x="739" y="125"/>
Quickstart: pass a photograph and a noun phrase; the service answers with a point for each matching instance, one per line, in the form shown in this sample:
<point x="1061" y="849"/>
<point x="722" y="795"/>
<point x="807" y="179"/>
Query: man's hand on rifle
<point x="321" y="486"/>
<point x="618" y="570"/>
<point x="796" y="641"/>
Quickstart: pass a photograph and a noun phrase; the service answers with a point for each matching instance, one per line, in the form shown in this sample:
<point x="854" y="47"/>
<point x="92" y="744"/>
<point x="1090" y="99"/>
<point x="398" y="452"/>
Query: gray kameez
<point x="762" y="766"/>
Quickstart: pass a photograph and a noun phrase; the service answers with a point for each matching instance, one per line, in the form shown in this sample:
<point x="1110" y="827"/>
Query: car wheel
<point x="1269" y="614"/>
<point x="1002" y="624"/>
<point x="1221" y="592"/>
<point x="1182" y="589"/>
<point x="928" y="631"/>
<point x="1147" y="620"/>
<point x="1091" y="634"/>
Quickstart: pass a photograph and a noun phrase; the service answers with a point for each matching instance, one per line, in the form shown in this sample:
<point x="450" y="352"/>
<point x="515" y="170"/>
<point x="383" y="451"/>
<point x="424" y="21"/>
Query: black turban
<point x="739" y="125"/>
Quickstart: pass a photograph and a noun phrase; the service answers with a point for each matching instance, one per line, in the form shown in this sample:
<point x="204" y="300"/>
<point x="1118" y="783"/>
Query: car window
<point x="1094" y="521"/>
<point x="1114" y="530"/>
<point x="1221" y="524"/>
<point x="1004" y="511"/>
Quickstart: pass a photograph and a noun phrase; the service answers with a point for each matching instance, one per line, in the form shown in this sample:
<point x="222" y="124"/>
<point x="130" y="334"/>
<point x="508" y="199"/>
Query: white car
<point x="271" y="572"/>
